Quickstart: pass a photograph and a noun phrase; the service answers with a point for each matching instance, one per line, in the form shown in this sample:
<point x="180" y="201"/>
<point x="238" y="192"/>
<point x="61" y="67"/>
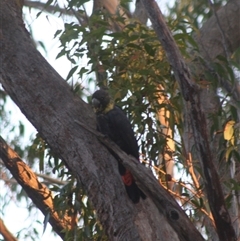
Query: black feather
<point x="114" y="124"/>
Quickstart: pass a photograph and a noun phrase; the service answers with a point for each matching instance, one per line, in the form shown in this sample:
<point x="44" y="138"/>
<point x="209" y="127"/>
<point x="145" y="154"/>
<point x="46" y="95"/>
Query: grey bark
<point x="191" y="94"/>
<point x="48" y="103"/>
<point x="220" y="35"/>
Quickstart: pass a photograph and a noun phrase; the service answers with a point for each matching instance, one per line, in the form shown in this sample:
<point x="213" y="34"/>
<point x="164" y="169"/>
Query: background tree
<point x="197" y="109"/>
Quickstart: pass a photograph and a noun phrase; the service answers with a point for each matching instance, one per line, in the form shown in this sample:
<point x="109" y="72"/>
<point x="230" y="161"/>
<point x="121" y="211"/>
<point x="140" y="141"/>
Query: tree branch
<point x="46" y="100"/>
<point x="38" y="192"/>
<point x="223" y="36"/>
<point x="48" y="103"/>
<point x="52" y="9"/>
<point x="198" y="120"/>
<point x="7" y="235"/>
<point x="165" y="203"/>
<point x="210" y="39"/>
<point x="220" y="35"/>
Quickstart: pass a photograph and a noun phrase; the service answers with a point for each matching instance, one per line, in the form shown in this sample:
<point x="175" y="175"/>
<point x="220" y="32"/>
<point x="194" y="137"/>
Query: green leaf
<point x="61" y="53"/>
<point x="235" y="184"/>
<point x="21" y="128"/>
<point x="234" y="113"/>
<point x="43" y="46"/>
<point x="41" y="160"/>
<point x="45" y="222"/>
<point x="229" y="153"/>
<point x="38" y="14"/>
<point x="82" y="71"/>
<point x="71" y="72"/>
<point x="135" y="46"/>
<point x="57" y="33"/>
<point x="185" y="194"/>
<point x="149" y="49"/>
<point x="236" y="155"/>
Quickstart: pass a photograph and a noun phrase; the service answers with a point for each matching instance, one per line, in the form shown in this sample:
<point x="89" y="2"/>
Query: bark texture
<point x="46" y="100"/>
<point x="211" y="40"/>
<point x="48" y="103"/>
<point x="191" y="94"/>
<point x="220" y="35"/>
<point x="38" y="192"/>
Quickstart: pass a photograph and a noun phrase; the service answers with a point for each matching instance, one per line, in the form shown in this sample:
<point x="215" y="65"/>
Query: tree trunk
<point x="48" y="103"/>
<point x="46" y="100"/>
<point x="191" y="93"/>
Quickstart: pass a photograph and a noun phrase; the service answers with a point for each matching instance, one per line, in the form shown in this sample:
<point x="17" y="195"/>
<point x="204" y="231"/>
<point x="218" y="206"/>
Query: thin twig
<point x="195" y="194"/>
<point x="191" y="171"/>
<point x="51" y="180"/>
<point x="190" y="92"/>
<point x="52" y="9"/>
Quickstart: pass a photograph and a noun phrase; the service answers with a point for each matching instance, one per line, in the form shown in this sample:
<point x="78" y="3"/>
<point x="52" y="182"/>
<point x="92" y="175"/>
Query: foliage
<point x="133" y="66"/>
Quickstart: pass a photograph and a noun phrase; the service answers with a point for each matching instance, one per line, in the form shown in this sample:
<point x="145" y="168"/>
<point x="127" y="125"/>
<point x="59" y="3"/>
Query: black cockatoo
<point x="112" y="122"/>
